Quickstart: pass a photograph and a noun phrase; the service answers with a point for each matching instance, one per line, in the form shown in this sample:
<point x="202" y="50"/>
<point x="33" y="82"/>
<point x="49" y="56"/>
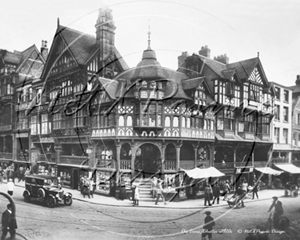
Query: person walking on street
<point x="226" y="190"/>
<point x="278" y="211"/>
<point x="154" y="187"/>
<point x="207" y="194"/>
<point x="255" y="190"/>
<point x="240" y="195"/>
<point x="159" y="192"/>
<point x="209" y="223"/>
<point x="92" y="187"/>
<point x="9" y="224"/>
<point x="216" y="193"/>
<point x="10" y="187"/>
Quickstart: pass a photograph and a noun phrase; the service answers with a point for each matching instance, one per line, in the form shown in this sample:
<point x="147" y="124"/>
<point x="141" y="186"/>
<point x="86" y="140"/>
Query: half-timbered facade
<point x="243" y="104"/>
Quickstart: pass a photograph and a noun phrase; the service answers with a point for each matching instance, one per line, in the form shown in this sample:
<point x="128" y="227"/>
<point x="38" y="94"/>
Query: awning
<point x="197" y="173"/>
<point x="288" y="167"/>
<point x="268" y="170"/>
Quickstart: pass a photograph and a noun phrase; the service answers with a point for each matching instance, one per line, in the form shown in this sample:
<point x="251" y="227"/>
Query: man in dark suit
<point x="209" y="223"/>
<point x="278" y="211"/>
<point x="9" y="223"/>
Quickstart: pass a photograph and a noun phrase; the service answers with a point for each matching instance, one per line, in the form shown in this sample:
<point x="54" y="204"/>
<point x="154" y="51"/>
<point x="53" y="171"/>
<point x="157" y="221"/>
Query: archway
<point x="148" y="159"/>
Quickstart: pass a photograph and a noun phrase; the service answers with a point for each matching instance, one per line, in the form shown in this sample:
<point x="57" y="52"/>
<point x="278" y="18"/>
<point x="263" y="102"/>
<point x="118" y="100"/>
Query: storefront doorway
<point x="148" y="160"/>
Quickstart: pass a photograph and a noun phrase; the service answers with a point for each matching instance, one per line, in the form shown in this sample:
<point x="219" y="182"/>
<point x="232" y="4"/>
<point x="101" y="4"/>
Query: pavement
<point x="185" y="204"/>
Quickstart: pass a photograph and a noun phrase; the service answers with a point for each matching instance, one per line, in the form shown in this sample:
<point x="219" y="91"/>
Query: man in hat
<point x="278" y="211"/>
<point x="9" y="224"/>
<point x="208" y="226"/>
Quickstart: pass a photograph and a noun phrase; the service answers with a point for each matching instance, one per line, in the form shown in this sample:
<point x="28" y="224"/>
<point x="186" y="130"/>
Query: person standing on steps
<point x="137" y="195"/>
<point x="159" y="192"/>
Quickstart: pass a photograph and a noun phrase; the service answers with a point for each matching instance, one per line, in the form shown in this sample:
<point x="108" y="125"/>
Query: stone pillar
<point x="178" y="146"/>
<point x="15" y="148"/>
<point x="118" y="160"/>
<point x="195" y="146"/>
<point x="212" y="155"/>
<point x="58" y="150"/>
<point x="133" y="150"/>
<point x="163" y="160"/>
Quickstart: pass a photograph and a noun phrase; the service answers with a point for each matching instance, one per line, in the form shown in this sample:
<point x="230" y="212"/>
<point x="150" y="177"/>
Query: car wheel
<point x="68" y="200"/>
<point x="51" y="202"/>
<point x="41" y="194"/>
<point x="26" y="196"/>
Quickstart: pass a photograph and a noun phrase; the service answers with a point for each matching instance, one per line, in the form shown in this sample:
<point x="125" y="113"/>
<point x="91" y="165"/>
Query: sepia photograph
<point x="150" y="119"/>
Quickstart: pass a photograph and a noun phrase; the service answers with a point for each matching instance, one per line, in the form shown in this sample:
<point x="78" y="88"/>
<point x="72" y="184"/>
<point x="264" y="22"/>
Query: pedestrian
<point x="209" y="223"/>
<point x="133" y="187"/>
<point x="216" y="193"/>
<point x="154" y="187"/>
<point x="226" y="190"/>
<point x="159" y="192"/>
<point x="91" y="186"/>
<point x="255" y="190"/>
<point x="245" y="186"/>
<point x="10" y="187"/>
<point x="240" y="195"/>
<point x="278" y="211"/>
<point x="207" y="194"/>
<point x="136" y="195"/>
<point x="9" y="223"/>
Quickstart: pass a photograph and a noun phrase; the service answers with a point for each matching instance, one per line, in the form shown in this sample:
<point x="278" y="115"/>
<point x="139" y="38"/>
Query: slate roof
<point x="244" y="68"/>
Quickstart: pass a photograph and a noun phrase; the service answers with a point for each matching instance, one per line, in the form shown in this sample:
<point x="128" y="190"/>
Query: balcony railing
<point x="6" y="156"/>
<point x="226" y="165"/>
<point x="47" y="158"/>
<point x="125" y="164"/>
<point x="170" y="165"/>
<point x="77" y="160"/>
<point x="244" y="164"/>
<point x="260" y="164"/>
<point x="280" y="160"/>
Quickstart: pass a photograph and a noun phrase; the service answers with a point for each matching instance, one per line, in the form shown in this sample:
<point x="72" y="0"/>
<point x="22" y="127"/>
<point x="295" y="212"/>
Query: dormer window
<point x="144" y="84"/>
<point x="254" y="92"/>
<point x="229" y="89"/>
<point x="200" y="96"/>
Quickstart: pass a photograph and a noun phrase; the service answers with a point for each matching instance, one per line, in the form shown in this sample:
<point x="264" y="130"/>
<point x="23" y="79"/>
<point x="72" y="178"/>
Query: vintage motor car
<point x="46" y="189"/>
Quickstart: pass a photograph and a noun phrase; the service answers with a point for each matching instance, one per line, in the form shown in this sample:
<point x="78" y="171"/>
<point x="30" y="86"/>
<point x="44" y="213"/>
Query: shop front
<point x="70" y="175"/>
<point x="243" y="173"/>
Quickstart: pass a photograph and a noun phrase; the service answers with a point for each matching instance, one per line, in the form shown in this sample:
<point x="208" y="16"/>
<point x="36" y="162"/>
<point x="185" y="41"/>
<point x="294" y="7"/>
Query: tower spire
<point x="149" y="35"/>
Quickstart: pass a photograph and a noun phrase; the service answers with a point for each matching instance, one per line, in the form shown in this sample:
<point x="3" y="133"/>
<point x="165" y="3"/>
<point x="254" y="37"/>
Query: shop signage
<point x="243" y="170"/>
<point x="5" y="127"/>
<point x="21" y="135"/>
<point x="46" y="140"/>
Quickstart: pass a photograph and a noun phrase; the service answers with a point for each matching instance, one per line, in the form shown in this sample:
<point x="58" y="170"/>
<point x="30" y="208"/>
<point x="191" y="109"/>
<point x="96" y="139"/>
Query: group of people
<point x="87" y="187"/>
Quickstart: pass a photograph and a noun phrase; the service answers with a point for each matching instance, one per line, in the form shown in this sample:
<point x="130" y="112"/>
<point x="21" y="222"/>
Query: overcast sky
<point x="238" y="28"/>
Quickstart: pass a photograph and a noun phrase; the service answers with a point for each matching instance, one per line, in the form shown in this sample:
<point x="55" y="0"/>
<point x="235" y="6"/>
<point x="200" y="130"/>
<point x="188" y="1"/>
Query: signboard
<point x="243" y="170"/>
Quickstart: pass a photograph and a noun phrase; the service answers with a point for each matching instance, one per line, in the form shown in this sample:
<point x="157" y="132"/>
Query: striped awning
<point x="268" y="170"/>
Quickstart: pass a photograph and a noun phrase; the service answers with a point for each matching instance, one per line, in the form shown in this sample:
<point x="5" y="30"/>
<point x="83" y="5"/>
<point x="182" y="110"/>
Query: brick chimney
<point x="205" y="51"/>
<point x="222" y="59"/>
<point x="182" y="58"/>
<point x="298" y="80"/>
<point x="44" y="49"/>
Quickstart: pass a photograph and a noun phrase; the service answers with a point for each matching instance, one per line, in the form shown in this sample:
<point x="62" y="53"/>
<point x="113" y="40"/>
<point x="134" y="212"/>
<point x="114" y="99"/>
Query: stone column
<point x="195" y="146"/>
<point x="118" y="159"/>
<point x="178" y="146"/>
<point x="133" y="150"/>
<point x="58" y="150"/>
<point x="163" y="160"/>
<point x="15" y="148"/>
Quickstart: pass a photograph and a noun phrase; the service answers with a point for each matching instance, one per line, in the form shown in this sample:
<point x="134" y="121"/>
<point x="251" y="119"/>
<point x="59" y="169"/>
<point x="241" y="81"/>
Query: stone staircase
<point x="145" y="189"/>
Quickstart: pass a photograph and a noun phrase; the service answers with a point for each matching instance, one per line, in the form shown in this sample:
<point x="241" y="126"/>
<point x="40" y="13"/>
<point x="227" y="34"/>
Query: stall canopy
<point x="268" y="170"/>
<point x="288" y="167"/>
<point x="203" y="172"/>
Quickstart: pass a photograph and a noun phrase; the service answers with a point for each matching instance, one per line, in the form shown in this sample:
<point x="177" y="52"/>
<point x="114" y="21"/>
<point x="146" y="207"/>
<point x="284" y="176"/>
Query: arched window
<point x="129" y="121"/>
<point x="167" y="121"/>
<point x="183" y="122"/>
<point x="188" y="122"/>
<point x="175" y="122"/>
<point x="121" y="121"/>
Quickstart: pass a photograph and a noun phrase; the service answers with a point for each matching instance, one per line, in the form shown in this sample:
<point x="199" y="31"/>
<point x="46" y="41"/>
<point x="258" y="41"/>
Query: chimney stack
<point x="298" y="80"/>
<point x="181" y="58"/>
<point x="44" y="49"/>
<point x="205" y="51"/>
<point x="222" y="59"/>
